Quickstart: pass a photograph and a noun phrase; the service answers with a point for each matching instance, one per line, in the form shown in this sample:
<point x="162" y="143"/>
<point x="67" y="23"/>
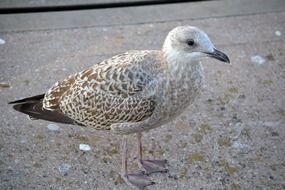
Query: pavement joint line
<point x="152" y="22"/>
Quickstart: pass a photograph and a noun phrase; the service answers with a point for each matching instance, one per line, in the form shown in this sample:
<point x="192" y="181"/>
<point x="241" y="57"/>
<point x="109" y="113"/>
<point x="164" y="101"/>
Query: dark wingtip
<point x="33" y="107"/>
<point x="17" y="107"/>
<point x="13" y="102"/>
<point x="30" y="99"/>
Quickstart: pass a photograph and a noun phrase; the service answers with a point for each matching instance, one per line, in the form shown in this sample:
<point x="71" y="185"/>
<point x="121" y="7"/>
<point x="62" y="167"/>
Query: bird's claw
<point x="139" y="181"/>
<point x="153" y="166"/>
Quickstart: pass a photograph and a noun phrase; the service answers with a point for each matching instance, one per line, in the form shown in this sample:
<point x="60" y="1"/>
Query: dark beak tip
<point x="220" y="56"/>
<point x="228" y="60"/>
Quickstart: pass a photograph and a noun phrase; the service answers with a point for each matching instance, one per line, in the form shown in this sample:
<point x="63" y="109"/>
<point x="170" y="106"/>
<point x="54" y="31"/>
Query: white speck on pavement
<point x="257" y="59"/>
<point x="84" y="147"/>
<point x="278" y="33"/>
<point x="2" y="42"/>
<point x="53" y="127"/>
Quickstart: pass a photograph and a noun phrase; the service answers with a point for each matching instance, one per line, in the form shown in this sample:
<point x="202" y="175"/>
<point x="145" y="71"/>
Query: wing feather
<point x="116" y="90"/>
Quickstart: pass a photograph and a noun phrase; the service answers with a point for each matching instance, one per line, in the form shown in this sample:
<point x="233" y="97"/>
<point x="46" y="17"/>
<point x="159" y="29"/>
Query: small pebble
<point x="239" y="145"/>
<point x="275" y="134"/>
<point x="278" y="33"/>
<point x="53" y="127"/>
<point x="4" y="85"/>
<point x="257" y="59"/>
<point x="2" y="41"/>
<point x="64" y="168"/>
<point x="84" y="147"/>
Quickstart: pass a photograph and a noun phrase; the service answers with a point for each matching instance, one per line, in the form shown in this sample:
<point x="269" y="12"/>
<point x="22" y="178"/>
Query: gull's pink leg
<point x="149" y="166"/>
<point x="134" y="180"/>
<point x="139" y="141"/>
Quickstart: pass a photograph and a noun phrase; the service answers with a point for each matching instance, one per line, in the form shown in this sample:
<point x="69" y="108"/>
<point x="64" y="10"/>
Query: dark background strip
<point x="15" y="10"/>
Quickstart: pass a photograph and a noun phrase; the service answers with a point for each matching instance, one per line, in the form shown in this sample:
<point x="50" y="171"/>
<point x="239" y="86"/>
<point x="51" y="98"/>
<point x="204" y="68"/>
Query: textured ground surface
<point x="231" y="138"/>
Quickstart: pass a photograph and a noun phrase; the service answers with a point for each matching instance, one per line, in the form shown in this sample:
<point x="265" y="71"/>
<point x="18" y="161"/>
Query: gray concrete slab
<point x="135" y="15"/>
<point x="231" y="138"/>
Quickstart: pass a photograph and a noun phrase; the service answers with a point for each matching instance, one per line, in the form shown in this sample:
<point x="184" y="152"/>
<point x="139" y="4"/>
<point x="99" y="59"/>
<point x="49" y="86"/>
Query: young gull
<point x="130" y="93"/>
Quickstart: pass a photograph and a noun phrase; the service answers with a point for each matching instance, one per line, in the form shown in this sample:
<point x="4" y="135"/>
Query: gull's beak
<point x="218" y="55"/>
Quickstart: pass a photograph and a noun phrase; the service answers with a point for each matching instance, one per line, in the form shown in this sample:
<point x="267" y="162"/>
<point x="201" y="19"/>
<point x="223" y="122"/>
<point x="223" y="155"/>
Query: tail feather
<point x="33" y="106"/>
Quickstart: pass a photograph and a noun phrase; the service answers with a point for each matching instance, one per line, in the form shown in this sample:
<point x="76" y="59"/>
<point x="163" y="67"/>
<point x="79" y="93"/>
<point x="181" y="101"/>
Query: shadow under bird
<point x="130" y="93"/>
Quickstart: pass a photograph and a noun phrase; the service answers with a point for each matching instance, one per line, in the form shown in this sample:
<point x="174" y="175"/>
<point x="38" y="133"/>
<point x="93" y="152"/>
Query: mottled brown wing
<point x="114" y="91"/>
<point x="54" y="94"/>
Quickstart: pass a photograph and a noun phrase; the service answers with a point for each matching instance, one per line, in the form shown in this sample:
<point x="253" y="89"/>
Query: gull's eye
<point x="190" y="42"/>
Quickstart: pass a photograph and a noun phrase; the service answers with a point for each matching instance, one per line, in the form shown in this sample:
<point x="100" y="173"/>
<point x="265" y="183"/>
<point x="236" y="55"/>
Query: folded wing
<point x="120" y="89"/>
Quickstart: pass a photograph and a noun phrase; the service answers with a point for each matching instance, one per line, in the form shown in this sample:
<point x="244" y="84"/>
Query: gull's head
<point x="188" y="44"/>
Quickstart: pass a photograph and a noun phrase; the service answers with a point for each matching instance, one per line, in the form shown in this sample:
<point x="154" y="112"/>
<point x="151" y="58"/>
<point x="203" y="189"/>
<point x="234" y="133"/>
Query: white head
<point x="185" y="44"/>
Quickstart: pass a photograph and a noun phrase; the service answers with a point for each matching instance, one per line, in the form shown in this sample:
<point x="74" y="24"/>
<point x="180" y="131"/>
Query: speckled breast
<point x="180" y="92"/>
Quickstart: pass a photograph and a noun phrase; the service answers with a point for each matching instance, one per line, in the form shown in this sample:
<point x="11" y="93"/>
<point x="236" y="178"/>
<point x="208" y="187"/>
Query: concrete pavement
<point x="231" y="138"/>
